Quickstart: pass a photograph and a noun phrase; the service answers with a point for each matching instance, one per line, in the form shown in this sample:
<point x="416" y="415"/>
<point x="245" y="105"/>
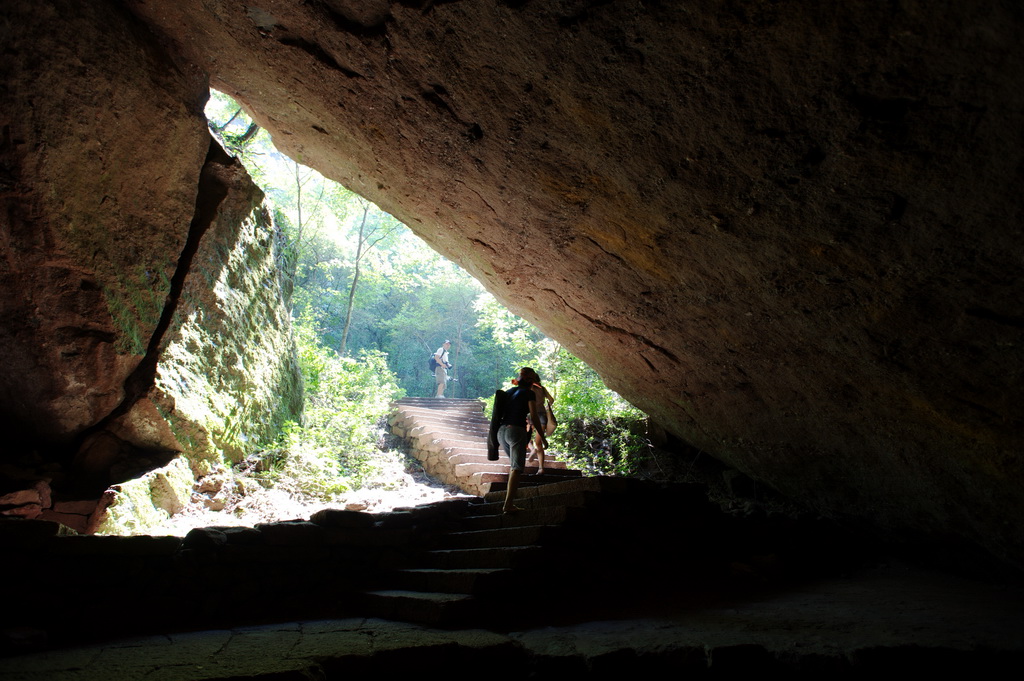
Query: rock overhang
<point x="789" y="233"/>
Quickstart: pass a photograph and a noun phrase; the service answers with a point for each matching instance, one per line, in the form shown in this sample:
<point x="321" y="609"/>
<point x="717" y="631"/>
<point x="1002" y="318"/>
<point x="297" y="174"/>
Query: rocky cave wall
<point x="143" y="320"/>
<point x="791" y="232"/>
<point x="788" y="231"/>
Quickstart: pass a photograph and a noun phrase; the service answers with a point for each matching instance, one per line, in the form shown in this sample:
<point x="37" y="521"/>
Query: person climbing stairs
<point x="449" y="437"/>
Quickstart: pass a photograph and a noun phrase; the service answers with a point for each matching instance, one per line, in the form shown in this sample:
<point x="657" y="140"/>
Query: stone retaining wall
<point x="81" y="587"/>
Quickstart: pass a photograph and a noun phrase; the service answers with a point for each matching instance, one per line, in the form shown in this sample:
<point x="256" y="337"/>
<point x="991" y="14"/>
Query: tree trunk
<point x="249" y="133"/>
<point x="355" y="280"/>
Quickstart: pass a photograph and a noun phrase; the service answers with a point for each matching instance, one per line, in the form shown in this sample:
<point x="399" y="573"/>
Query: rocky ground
<point x="397" y="482"/>
<point x="877" y="613"/>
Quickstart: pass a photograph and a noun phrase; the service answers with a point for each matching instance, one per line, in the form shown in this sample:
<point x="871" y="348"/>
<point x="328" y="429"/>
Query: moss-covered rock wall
<point x="227" y="376"/>
<point x="144" y="334"/>
<point x="230" y="364"/>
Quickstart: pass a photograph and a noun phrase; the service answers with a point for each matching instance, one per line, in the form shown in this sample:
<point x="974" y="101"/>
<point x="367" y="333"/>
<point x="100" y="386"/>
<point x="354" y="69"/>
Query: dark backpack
<point x="432" y="364"/>
<point x="500" y="396"/>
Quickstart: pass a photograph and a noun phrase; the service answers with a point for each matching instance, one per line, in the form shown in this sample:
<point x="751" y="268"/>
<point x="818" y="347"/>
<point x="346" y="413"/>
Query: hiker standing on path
<point x="441" y="372"/>
<point x="520" y="402"/>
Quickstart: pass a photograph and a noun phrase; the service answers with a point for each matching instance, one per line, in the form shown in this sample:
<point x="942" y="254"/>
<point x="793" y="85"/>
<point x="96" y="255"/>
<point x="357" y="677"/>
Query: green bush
<point x="598" y="430"/>
<point x="332" y="450"/>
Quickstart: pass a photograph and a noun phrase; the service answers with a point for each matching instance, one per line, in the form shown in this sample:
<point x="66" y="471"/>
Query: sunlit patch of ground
<point x="398" y="483"/>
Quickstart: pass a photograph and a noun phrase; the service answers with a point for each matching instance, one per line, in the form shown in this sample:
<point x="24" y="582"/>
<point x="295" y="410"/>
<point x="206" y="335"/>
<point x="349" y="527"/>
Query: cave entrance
<point x="367" y="303"/>
<point x="361" y="281"/>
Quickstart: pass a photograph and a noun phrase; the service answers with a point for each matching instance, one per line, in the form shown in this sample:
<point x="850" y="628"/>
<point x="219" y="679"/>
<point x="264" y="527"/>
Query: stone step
<point x="498" y="486"/>
<point x="448" y="452"/>
<point x="484" y="468"/>
<point x="586" y="484"/>
<point x="433" y="431"/>
<point x="439" y="401"/>
<point x="558" y="469"/>
<point x="441" y="412"/>
<point x="464" y="407"/>
<point x="512" y="557"/>
<point x="474" y="450"/>
<point x="448" y="421"/>
<point x="451" y="422"/>
<point x="436" y="609"/>
<point x="454" y="421"/>
<point x="473" y="457"/>
<point x="526" y="535"/>
<point x="529" y="500"/>
<point x="495" y="519"/>
<point x="436" y="443"/>
<point x="418" y="427"/>
<point x="448" y="428"/>
<point x="497" y="483"/>
<point x="471" y="581"/>
<point x="456" y="416"/>
<point x="413" y="423"/>
<point x="453" y="417"/>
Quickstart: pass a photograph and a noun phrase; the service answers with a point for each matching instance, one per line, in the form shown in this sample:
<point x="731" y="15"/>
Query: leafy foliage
<point x="598" y="430"/>
<point x="333" y="450"/>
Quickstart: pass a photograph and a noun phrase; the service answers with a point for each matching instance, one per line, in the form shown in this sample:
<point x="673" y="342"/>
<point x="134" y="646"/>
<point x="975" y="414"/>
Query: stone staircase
<point x="597" y="578"/>
<point x="486" y="569"/>
<point x="449" y="437"/>
<point x="470" y="574"/>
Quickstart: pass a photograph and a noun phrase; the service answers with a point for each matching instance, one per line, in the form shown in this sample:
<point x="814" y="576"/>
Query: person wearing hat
<point x="441" y="373"/>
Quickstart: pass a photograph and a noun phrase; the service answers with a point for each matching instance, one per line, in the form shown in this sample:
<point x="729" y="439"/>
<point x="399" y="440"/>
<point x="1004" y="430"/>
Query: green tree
<point x="370" y="233"/>
<point x="332" y="450"/>
<point x="599" y="431"/>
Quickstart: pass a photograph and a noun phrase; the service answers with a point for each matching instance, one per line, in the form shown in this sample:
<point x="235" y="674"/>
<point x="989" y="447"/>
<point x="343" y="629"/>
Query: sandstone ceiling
<point x="789" y="231"/>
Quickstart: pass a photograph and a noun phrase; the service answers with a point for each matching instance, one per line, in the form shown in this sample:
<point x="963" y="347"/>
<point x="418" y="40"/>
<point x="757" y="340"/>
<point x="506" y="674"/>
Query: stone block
<point x="336" y="518"/>
<point x="82" y="507"/>
<point x="78" y="523"/>
<point x="29" y="511"/>
<point x="204" y="538"/>
<point x="292" y="533"/>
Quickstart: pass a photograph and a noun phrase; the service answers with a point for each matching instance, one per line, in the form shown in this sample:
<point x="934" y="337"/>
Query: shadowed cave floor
<point x="888" y="616"/>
